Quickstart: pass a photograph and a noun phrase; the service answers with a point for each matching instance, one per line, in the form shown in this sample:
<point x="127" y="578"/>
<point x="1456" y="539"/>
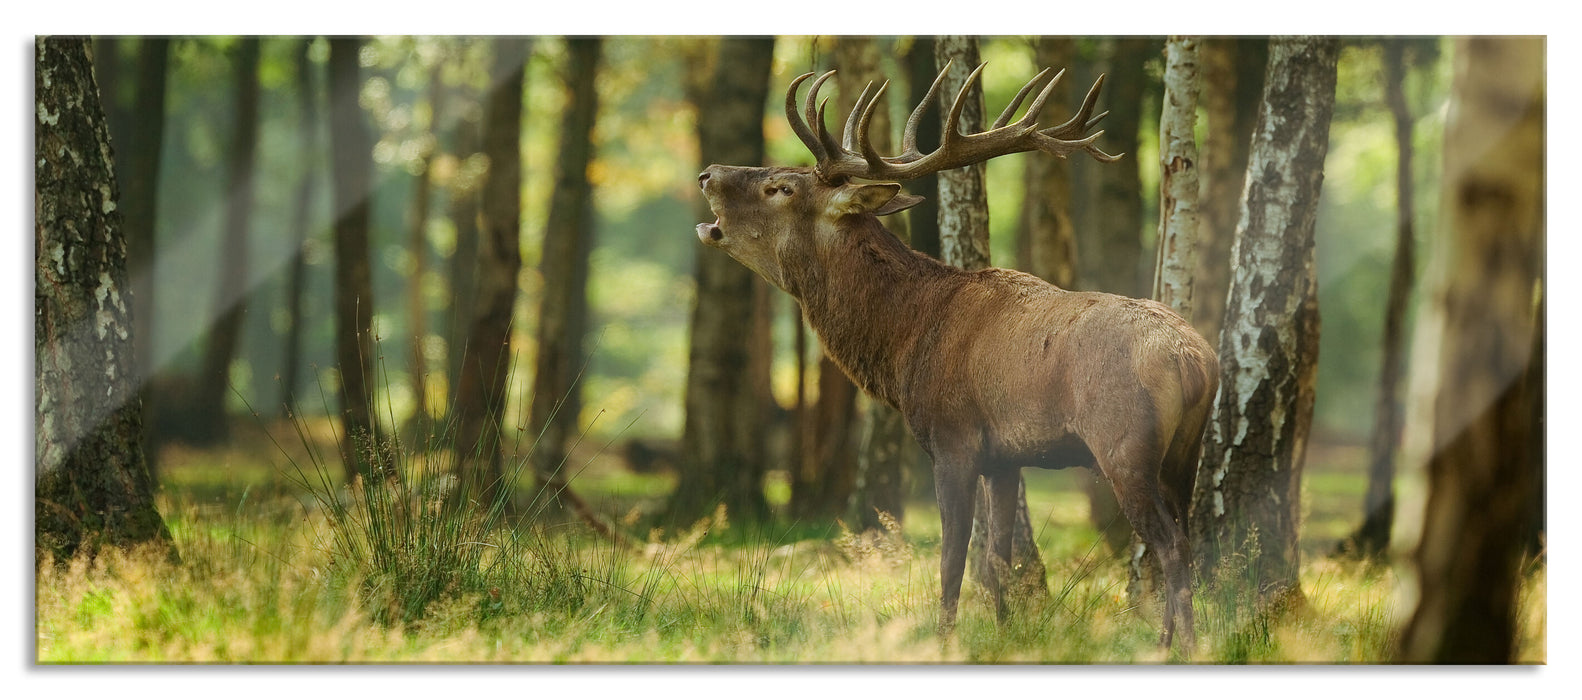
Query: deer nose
<point x="703" y="179"/>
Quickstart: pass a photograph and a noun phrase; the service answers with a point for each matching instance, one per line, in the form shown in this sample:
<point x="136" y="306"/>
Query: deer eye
<point x="785" y="190"/>
<point x="772" y="190"/>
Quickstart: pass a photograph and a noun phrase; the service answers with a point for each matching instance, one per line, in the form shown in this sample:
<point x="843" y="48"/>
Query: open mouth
<point x="711" y="233"/>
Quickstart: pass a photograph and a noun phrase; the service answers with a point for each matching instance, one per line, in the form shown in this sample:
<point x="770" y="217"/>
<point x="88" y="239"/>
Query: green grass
<point x="264" y="579"/>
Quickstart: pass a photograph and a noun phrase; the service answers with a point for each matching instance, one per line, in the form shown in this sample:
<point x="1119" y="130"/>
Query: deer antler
<point x="854" y="155"/>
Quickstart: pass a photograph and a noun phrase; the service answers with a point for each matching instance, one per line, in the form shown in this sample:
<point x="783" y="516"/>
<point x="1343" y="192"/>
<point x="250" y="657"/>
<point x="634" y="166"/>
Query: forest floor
<point x="270" y="574"/>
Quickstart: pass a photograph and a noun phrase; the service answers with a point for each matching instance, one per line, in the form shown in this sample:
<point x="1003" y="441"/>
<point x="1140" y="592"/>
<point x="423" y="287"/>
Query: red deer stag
<point x="993" y="369"/>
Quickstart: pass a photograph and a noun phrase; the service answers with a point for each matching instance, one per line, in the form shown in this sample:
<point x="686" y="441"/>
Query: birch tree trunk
<point x="91" y="487"/>
<point x="1178" y="177"/>
<point x="964" y="242"/>
<point x="1247" y="501"/>
<point x="1178" y="223"/>
<point x="1486" y="413"/>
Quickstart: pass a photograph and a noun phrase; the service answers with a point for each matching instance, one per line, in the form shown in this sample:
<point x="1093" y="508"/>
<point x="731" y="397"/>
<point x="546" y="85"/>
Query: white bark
<point x="1178" y="177"/>
<point x="963" y="208"/>
<point x="1251" y="472"/>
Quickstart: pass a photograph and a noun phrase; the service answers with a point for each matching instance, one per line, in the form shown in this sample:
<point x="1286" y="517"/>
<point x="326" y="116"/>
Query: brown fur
<point x="994" y="369"/>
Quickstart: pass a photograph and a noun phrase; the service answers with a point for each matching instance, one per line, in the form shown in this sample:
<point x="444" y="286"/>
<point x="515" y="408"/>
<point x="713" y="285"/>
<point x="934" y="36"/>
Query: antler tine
<point x="909" y="136"/>
<point x="847" y="137"/>
<point x="951" y="130"/>
<point x="798" y="124"/>
<point x="830" y="147"/>
<point x="815" y="120"/>
<point x="875" y="161"/>
<point x="1079" y="122"/>
<point x="1010" y="109"/>
<point x="1095" y="120"/>
<point x="1030" y="119"/>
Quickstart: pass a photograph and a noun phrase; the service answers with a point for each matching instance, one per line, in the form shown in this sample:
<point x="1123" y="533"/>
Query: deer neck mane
<point x="871" y="300"/>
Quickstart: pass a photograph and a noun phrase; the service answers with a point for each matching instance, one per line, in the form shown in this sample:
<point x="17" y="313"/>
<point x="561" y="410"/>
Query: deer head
<point x="774" y="219"/>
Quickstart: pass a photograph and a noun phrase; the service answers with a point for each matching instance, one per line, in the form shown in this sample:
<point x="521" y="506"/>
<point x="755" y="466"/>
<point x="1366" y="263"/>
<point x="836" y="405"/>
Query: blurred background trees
<point x="458" y="237"/>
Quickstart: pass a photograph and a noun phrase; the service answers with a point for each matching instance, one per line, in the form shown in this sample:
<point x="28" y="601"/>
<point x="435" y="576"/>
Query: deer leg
<point x="1001" y="485"/>
<point x="1137" y="489"/>
<point x="954" y="483"/>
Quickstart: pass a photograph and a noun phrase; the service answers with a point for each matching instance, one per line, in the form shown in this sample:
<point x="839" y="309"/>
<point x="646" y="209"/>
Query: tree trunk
<point x="352" y="159"/>
<point x="1373" y="535"/>
<point x="231" y="287"/>
<point x="722" y="446"/>
<point x="1046" y="242"/>
<point x="1110" y="251"/>
<point x="1178" y="224"/>
<point x="92" y="488"/>
<point x="1232" y="86"/>
<point x="308" y="155"/>
<point x="1247" y="501"/>
<point x="1486" y="417"/>
<point x="563" y="309"/>
<point x="418" y="248"/>
<point x="488" y="362"/>
<point x="964" y="242"/>
<point x="464" y="198"/>
<point x="1178" y="177"/>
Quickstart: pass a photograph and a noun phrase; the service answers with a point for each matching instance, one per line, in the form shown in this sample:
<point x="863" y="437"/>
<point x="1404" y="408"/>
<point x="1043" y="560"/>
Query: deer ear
<point x="866" y="199"/>
<point x="901" y="202"/>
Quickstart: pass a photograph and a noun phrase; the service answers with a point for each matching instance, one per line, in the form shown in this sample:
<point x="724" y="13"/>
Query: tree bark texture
<point x="1487" y="434"/>
<point x="1178" y="177"/>
<point x="351" y="150"/>
<point x="563" y="309"/>
<point x="722" y="445"/>
<point x="1373" y="536"/>
<point x="1247" y="500"/>
<point x="296" y="276"/>
<point x="963" y="208"/>
<point x="488" y="362"/>
<point x="231" y="285"/>
<point x="91" y="486"/>
<point x="1232" y="86"/>
<point x="1047" y="244"/>
<point x="964" y="242"/>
